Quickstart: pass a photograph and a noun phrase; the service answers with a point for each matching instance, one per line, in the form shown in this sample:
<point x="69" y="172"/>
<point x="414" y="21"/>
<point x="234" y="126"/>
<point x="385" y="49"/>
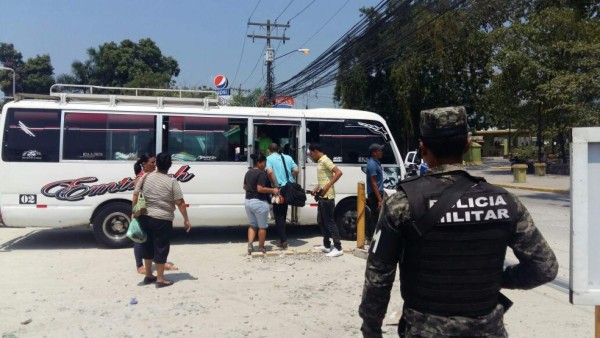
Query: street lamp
<point x="12" y="70"/>
<point x="302" y="50"/>
<point x="269" y="58"/>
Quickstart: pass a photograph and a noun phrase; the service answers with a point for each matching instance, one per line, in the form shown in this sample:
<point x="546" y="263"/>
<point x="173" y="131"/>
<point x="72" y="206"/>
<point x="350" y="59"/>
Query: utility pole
<point x="269" y="55"/>
<point x="240" y="90"/>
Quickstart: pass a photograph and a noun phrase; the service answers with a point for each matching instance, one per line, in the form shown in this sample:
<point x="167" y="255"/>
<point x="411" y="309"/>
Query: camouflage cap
<point x="443" y="122"/>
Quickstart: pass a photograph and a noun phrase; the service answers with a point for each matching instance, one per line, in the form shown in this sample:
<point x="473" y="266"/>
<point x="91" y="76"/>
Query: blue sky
<point x="205" y="37"/>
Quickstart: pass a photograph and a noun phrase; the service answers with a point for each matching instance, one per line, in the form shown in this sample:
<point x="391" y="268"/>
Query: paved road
<point x="551" y="214"/>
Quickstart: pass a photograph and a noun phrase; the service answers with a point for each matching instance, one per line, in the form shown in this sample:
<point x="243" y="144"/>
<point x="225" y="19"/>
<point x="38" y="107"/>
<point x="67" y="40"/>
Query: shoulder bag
<point x="293" y="193"/>
<point x="140" y="206"/>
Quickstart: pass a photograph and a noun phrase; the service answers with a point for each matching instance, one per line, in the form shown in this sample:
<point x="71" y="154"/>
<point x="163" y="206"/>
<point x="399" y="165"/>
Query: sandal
<point x="262" y="249"/>
<point x="170" y="266"/>
<point x="141" y="270"/>
<point x="250" y="248"/>
<point x="164" y="284"/>
<point x="149" y="280"/>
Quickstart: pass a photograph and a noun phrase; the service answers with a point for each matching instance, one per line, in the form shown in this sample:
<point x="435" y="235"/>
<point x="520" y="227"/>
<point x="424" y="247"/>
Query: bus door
<point x="286" y="134"/>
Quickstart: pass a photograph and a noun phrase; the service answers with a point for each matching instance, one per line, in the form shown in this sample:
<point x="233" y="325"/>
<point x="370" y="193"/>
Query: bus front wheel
<point x="345" y="219"/>
<point x="111" y="223"/>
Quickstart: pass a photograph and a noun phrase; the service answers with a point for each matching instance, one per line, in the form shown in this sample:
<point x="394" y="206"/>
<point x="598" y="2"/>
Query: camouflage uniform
<point x="537" y="265"/>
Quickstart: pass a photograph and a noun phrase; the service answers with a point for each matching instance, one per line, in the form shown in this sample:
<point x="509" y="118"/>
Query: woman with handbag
<point x="145" y="164"/>
<point x="257" y="201"/>
<point x="161" y="193"/>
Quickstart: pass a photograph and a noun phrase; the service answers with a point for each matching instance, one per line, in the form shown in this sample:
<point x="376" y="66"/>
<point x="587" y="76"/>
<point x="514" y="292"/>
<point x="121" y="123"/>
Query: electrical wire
<point x="241" y="56"/>
<point x="260" y="56"/>
<point x="255" y="7"/>
<point x="301" y="11"/>
<point x="324" y="70"/>
<point x="318" y="30"/>
<point x="285" y="9"/>
<point x="244" y="44"/>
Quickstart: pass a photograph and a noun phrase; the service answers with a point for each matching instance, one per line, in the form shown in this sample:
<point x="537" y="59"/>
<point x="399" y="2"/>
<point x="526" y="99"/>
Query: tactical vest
<point x="455" y="269"/>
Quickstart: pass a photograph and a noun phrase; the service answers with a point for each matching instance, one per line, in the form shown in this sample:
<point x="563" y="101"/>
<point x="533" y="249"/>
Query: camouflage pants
<point x="407" y="331"/>
<point x="415" y="324"/>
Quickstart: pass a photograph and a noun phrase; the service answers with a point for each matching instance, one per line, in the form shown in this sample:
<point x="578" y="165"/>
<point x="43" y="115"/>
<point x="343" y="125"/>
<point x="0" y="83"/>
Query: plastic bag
<point x="140" y="206"/>
<point x="135" y="232"/>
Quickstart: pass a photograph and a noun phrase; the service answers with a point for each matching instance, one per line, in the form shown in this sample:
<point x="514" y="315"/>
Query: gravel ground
<point x="58" y="283"/>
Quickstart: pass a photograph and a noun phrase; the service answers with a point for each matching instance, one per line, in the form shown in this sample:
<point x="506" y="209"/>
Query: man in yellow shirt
<point x="327" y="175"/>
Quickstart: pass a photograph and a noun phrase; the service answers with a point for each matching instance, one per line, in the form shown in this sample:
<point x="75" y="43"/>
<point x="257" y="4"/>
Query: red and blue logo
<point x="221" y="82"/>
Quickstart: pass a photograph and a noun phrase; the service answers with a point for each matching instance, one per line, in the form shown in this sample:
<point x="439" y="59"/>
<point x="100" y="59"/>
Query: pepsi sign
<point x="221" y="82"/>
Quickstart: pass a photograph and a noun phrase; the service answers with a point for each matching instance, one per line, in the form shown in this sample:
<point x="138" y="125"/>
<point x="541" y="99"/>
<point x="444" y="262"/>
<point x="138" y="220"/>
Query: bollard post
<point x="519" y="173"/>
<point x="597" y="325"/>
<point x="360" y="218"/>
<point x="540" y="169"/>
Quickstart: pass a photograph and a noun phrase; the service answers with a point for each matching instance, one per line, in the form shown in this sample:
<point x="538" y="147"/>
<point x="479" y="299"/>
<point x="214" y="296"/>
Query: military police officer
<point x="448" y="232"/>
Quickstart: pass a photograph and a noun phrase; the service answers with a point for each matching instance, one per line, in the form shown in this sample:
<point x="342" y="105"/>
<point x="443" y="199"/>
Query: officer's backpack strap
<point x="448" y="198"/>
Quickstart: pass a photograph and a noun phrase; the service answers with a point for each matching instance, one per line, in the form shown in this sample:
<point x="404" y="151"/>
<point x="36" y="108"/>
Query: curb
<point x="292" y="252"/>
<point x="360" y="253"/>
<point x="525" y="187"/>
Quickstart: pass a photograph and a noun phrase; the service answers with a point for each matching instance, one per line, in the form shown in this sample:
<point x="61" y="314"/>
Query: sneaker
<point x="322" y="248"/>
<point x="335" y="253"/>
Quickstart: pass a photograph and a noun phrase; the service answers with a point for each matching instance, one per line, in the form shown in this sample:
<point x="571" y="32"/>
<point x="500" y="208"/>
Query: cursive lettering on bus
<point x="77" y="189"/>
<point x="182" y="174"/>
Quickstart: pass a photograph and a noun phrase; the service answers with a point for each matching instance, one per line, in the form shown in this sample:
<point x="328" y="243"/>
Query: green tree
<point x="250" y="100"/>
<point x="127" y="64"/>
<point x="506" y="61"/>
<point x="11" y="58"/>
<point x="38" y="75"/>
<point x="34" y="76"/>
<point x="432" y="54"/>
<point x="548" y="66"/>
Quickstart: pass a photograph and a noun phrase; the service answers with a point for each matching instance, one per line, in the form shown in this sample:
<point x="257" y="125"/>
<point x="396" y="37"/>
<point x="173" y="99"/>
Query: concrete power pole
<point x="269" y="55"/>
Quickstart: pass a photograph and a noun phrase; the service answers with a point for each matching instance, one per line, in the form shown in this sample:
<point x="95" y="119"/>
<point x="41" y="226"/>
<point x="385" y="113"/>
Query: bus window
<point x="348" y="142"/>
<point x="91" y="136"/>
<point x="281" y="132"/>
<point x="31" y="135"/>
<point x="191" y="138"/>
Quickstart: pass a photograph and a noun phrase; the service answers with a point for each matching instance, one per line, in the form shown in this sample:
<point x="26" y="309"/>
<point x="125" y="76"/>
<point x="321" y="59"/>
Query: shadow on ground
<point x="82" y="238"/>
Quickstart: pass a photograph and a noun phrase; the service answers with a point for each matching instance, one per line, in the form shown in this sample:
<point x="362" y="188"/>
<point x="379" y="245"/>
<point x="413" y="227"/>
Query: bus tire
<point x="111" y="223"/>
<point x="345" y="219"/>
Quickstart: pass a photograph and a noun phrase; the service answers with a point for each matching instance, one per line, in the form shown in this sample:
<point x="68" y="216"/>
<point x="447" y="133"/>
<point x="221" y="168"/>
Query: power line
<point x="255" y="7"/>
<point x="327" y="22"/>
<point x="260" y="56"/>
<point x="241" y="56"/>
<point x="302" y="10"/>
<point x="244" y="44"/>
<point x="261" y="78"/>
<point x="324" y="69"/>
<point x="285" y="9"/>
<point x="321" y="28"/>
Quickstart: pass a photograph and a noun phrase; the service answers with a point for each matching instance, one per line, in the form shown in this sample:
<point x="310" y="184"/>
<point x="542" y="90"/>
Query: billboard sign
<point x="224" y="92"/>
<point x="221" y="82"/>
<point x="284" y="102"/>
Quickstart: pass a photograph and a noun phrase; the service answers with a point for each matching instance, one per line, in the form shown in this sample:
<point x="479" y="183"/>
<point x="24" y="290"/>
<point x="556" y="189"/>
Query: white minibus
<point x="67" y="158"/>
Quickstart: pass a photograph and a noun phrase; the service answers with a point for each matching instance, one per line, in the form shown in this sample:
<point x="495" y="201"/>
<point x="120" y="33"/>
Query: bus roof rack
<point x="113" y="95"/>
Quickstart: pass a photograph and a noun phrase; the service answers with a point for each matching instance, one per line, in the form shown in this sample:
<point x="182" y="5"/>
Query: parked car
<point x="411" y="163"/>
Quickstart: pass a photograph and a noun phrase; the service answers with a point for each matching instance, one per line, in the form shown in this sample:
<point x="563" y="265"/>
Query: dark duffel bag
<point x="294" y="194"/>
